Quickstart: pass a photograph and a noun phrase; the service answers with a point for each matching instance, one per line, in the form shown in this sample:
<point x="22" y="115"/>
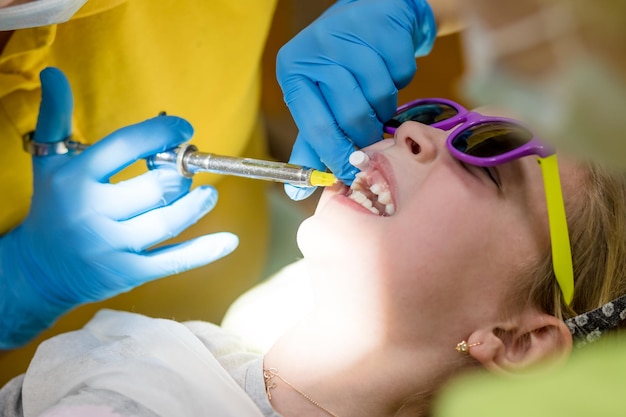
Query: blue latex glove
<point x="340" y="78"/>
<point x="86" y="239"/>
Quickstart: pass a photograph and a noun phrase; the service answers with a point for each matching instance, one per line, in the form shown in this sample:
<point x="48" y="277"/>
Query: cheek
<point x="462" y="234"/>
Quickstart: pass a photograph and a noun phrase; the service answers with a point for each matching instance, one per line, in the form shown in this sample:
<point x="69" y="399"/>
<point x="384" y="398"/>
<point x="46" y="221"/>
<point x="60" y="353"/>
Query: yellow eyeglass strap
<point x="559" y="235"/>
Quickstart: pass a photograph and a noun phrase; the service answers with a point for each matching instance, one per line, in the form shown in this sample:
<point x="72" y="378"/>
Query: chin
<point x="318" y="238"/>
<point x="334" y="235"/>
<point x="312" y="239"/>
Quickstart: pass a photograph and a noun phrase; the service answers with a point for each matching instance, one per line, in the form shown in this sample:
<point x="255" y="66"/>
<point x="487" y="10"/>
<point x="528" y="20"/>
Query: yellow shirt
<point x="127" y="60"/>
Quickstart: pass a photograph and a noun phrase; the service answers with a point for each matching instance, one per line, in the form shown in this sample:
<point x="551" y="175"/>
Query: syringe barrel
<point x="247" y="167"/>
<point x="188" y="162"/>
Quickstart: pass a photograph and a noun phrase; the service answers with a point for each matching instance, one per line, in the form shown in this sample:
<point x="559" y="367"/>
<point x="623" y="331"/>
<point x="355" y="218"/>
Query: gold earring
<point x="463" y="347"/>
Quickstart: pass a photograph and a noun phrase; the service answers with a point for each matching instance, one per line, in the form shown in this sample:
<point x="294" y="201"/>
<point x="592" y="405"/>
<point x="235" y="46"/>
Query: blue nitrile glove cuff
<point x="24" y="310"/>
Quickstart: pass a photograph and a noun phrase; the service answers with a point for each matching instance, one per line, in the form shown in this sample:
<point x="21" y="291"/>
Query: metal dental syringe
<point x="189" y="161"/>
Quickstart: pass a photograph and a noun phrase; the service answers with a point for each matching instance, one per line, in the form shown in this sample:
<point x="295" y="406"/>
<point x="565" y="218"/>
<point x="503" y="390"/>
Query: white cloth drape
<point x="157" y="364"/>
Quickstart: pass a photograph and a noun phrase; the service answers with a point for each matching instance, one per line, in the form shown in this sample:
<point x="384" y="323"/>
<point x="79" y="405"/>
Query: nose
<point x="422" y="141"/>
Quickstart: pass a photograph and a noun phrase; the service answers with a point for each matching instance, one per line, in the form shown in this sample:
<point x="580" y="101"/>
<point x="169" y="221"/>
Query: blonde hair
<point x="597" y="228"/>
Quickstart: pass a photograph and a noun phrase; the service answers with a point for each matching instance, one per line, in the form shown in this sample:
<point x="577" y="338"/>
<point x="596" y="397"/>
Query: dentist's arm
<point x="86" y="239"/>
<point x="340" y="76"/>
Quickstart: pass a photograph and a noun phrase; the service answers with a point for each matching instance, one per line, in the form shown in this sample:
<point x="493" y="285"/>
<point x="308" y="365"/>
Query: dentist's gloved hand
<point x="86" y="239"/>
<point x="340" y="78"/>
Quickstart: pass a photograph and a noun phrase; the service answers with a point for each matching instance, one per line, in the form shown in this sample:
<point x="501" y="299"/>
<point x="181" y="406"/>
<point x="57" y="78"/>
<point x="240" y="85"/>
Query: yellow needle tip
<point x="322" y="179"/>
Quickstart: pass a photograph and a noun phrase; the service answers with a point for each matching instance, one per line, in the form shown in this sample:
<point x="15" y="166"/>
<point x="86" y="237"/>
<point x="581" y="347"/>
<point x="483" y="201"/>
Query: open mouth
<point x="371" y="190"/>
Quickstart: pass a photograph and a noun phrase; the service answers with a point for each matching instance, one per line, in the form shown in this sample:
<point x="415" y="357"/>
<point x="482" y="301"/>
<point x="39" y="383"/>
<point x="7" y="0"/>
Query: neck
<point x="349" y="369"/>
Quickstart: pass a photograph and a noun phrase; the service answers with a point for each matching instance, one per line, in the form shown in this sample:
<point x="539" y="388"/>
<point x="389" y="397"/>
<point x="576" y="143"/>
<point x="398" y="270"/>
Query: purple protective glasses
<point x="478" y="140"/>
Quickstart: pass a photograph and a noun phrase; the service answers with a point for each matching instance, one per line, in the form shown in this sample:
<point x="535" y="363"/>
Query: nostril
<point x="415" y="147"/>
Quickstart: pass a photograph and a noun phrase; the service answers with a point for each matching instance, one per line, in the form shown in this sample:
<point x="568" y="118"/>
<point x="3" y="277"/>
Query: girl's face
<point x="458" y="236"/>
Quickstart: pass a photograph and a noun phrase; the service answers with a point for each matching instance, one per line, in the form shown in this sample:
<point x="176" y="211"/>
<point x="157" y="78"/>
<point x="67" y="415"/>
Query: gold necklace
<point x="269" y="374"/>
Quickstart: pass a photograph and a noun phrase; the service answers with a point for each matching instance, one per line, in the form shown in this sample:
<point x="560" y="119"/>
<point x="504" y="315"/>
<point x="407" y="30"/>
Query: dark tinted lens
<point x="491" y="139"/>
<point x="426" y="113"/>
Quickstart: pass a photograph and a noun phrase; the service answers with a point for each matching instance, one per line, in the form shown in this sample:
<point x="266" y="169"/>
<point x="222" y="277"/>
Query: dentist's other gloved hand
<point x="340" y="78"/>
<point x="86" y="239"/>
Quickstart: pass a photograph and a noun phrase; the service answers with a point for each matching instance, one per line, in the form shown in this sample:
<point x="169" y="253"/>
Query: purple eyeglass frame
<point x="469" y="119"/>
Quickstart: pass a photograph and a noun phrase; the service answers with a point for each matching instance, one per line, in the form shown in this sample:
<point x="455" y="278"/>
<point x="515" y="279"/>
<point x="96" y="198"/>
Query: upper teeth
<point x="372" y="192"/>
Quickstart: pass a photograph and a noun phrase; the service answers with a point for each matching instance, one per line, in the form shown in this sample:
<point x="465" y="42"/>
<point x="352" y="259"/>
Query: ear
<point x="516" y="345"/>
